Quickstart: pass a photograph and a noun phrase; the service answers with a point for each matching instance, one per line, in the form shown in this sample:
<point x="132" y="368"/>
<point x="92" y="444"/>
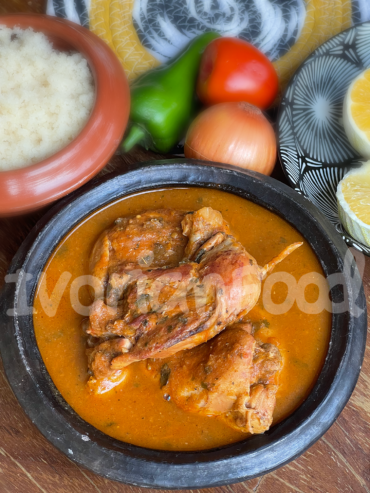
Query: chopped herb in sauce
<point x="165" y="375"/>
<point x="146" y="260"/>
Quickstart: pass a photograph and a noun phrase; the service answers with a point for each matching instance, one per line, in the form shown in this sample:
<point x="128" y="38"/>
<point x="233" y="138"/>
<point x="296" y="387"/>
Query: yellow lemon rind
<point x="359" y="230"/>
<point x="356" y="136"/>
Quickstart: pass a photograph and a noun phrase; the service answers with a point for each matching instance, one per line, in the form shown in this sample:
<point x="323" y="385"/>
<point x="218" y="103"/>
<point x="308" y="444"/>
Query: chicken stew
<point x="156" y="374"/>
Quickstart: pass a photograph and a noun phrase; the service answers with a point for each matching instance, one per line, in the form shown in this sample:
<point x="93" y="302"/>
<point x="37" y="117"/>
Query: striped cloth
<point x="145" y="33"/>
<point x="74" y="10"/>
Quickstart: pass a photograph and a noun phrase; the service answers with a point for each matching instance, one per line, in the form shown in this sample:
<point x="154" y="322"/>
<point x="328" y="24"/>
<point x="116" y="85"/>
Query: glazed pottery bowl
<point x="127" y="463"/>
<point x="34" y="186"/>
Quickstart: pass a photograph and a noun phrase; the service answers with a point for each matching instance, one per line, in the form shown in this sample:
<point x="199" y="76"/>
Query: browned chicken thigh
<point x="230" y="376"/>
<point x="160" y="311"/>
<point x="149" y="240"/>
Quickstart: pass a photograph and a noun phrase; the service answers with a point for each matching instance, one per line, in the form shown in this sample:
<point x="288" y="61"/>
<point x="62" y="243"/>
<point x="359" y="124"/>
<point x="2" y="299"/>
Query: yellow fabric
<point x="99" y="20"/>
<point x="112" y="21"/>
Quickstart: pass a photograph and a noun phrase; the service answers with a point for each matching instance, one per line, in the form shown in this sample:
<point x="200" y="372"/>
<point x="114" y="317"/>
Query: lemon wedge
<point x="353" y="196"/>
<point x="356" y="114"/>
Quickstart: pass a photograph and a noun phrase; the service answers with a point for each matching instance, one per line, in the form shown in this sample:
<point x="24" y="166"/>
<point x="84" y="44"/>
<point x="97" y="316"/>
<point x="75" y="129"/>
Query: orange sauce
<point x="136" y="411"/>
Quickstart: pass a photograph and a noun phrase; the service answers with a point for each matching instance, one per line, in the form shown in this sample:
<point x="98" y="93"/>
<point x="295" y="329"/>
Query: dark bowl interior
<point x="151" y="468"/>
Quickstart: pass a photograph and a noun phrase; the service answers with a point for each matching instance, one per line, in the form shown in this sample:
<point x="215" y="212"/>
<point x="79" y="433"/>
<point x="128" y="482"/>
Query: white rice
<point x="46" y="97"/>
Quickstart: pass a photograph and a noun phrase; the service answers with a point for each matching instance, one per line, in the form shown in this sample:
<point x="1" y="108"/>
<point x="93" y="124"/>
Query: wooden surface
<point x="14" y="6"/>
<point x="338" y="463"/>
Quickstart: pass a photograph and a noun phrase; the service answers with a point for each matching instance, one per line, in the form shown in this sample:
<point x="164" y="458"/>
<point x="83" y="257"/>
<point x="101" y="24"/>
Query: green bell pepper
<point x="163" y="100"/>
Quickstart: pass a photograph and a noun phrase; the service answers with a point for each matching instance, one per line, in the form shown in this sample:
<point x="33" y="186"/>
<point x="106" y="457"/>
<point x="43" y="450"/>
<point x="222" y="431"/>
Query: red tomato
<point x="233" y="70"/>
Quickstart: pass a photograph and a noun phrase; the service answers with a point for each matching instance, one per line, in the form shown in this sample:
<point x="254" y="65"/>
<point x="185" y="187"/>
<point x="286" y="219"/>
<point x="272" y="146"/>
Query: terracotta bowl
<point x="30" y="188"/>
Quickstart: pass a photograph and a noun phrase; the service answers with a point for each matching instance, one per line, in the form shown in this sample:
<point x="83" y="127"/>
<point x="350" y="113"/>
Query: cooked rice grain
<point x="46" y="97"/>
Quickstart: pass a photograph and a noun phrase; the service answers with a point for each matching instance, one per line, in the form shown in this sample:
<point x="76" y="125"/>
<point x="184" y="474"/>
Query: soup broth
<point x="135" y="411"/>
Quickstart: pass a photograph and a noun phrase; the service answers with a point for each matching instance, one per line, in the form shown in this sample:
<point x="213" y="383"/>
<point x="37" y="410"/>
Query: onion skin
<point x="233" y="133"/>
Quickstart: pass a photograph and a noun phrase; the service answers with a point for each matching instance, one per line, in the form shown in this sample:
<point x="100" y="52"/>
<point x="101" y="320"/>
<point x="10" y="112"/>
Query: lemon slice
<point x="353" y="196"/>
<point x="356" y="114"/>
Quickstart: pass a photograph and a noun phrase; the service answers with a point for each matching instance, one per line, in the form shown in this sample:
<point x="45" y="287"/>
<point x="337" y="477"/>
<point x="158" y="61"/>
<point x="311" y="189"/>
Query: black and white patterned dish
<point x="313" y="148"/>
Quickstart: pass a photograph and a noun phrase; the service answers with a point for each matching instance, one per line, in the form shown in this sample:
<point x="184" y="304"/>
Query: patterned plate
<point x="313" y="148"/>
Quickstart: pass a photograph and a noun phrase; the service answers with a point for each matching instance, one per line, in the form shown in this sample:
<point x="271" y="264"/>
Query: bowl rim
<point x="139" y="466"/>
<point x="55" y="176"/>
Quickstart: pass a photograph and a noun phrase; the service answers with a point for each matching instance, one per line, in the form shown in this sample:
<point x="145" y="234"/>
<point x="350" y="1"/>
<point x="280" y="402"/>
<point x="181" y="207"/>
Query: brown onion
<point x="233" y="133"/>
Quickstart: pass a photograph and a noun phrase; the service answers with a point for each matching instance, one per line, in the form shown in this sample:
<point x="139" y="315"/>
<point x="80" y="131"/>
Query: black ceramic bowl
<point x="144" y="467"/>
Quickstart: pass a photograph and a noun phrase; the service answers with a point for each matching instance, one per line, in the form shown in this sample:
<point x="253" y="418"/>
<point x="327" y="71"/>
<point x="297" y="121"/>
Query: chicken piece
<point x="149" y="240"/>
<point x="265" y="362"/>
<point x="104" y="378"/>
<point x="163" y="311"/>
<point x="200" y="226"/>
<point x="213" y="294"/>
<point x="103" y="319"/>
<point x="253" y="415"/>
<point x="230" y="376"/>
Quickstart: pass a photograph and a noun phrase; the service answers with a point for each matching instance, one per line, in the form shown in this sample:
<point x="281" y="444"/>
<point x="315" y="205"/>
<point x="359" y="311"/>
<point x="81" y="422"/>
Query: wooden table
<point x="338" y="463"/>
